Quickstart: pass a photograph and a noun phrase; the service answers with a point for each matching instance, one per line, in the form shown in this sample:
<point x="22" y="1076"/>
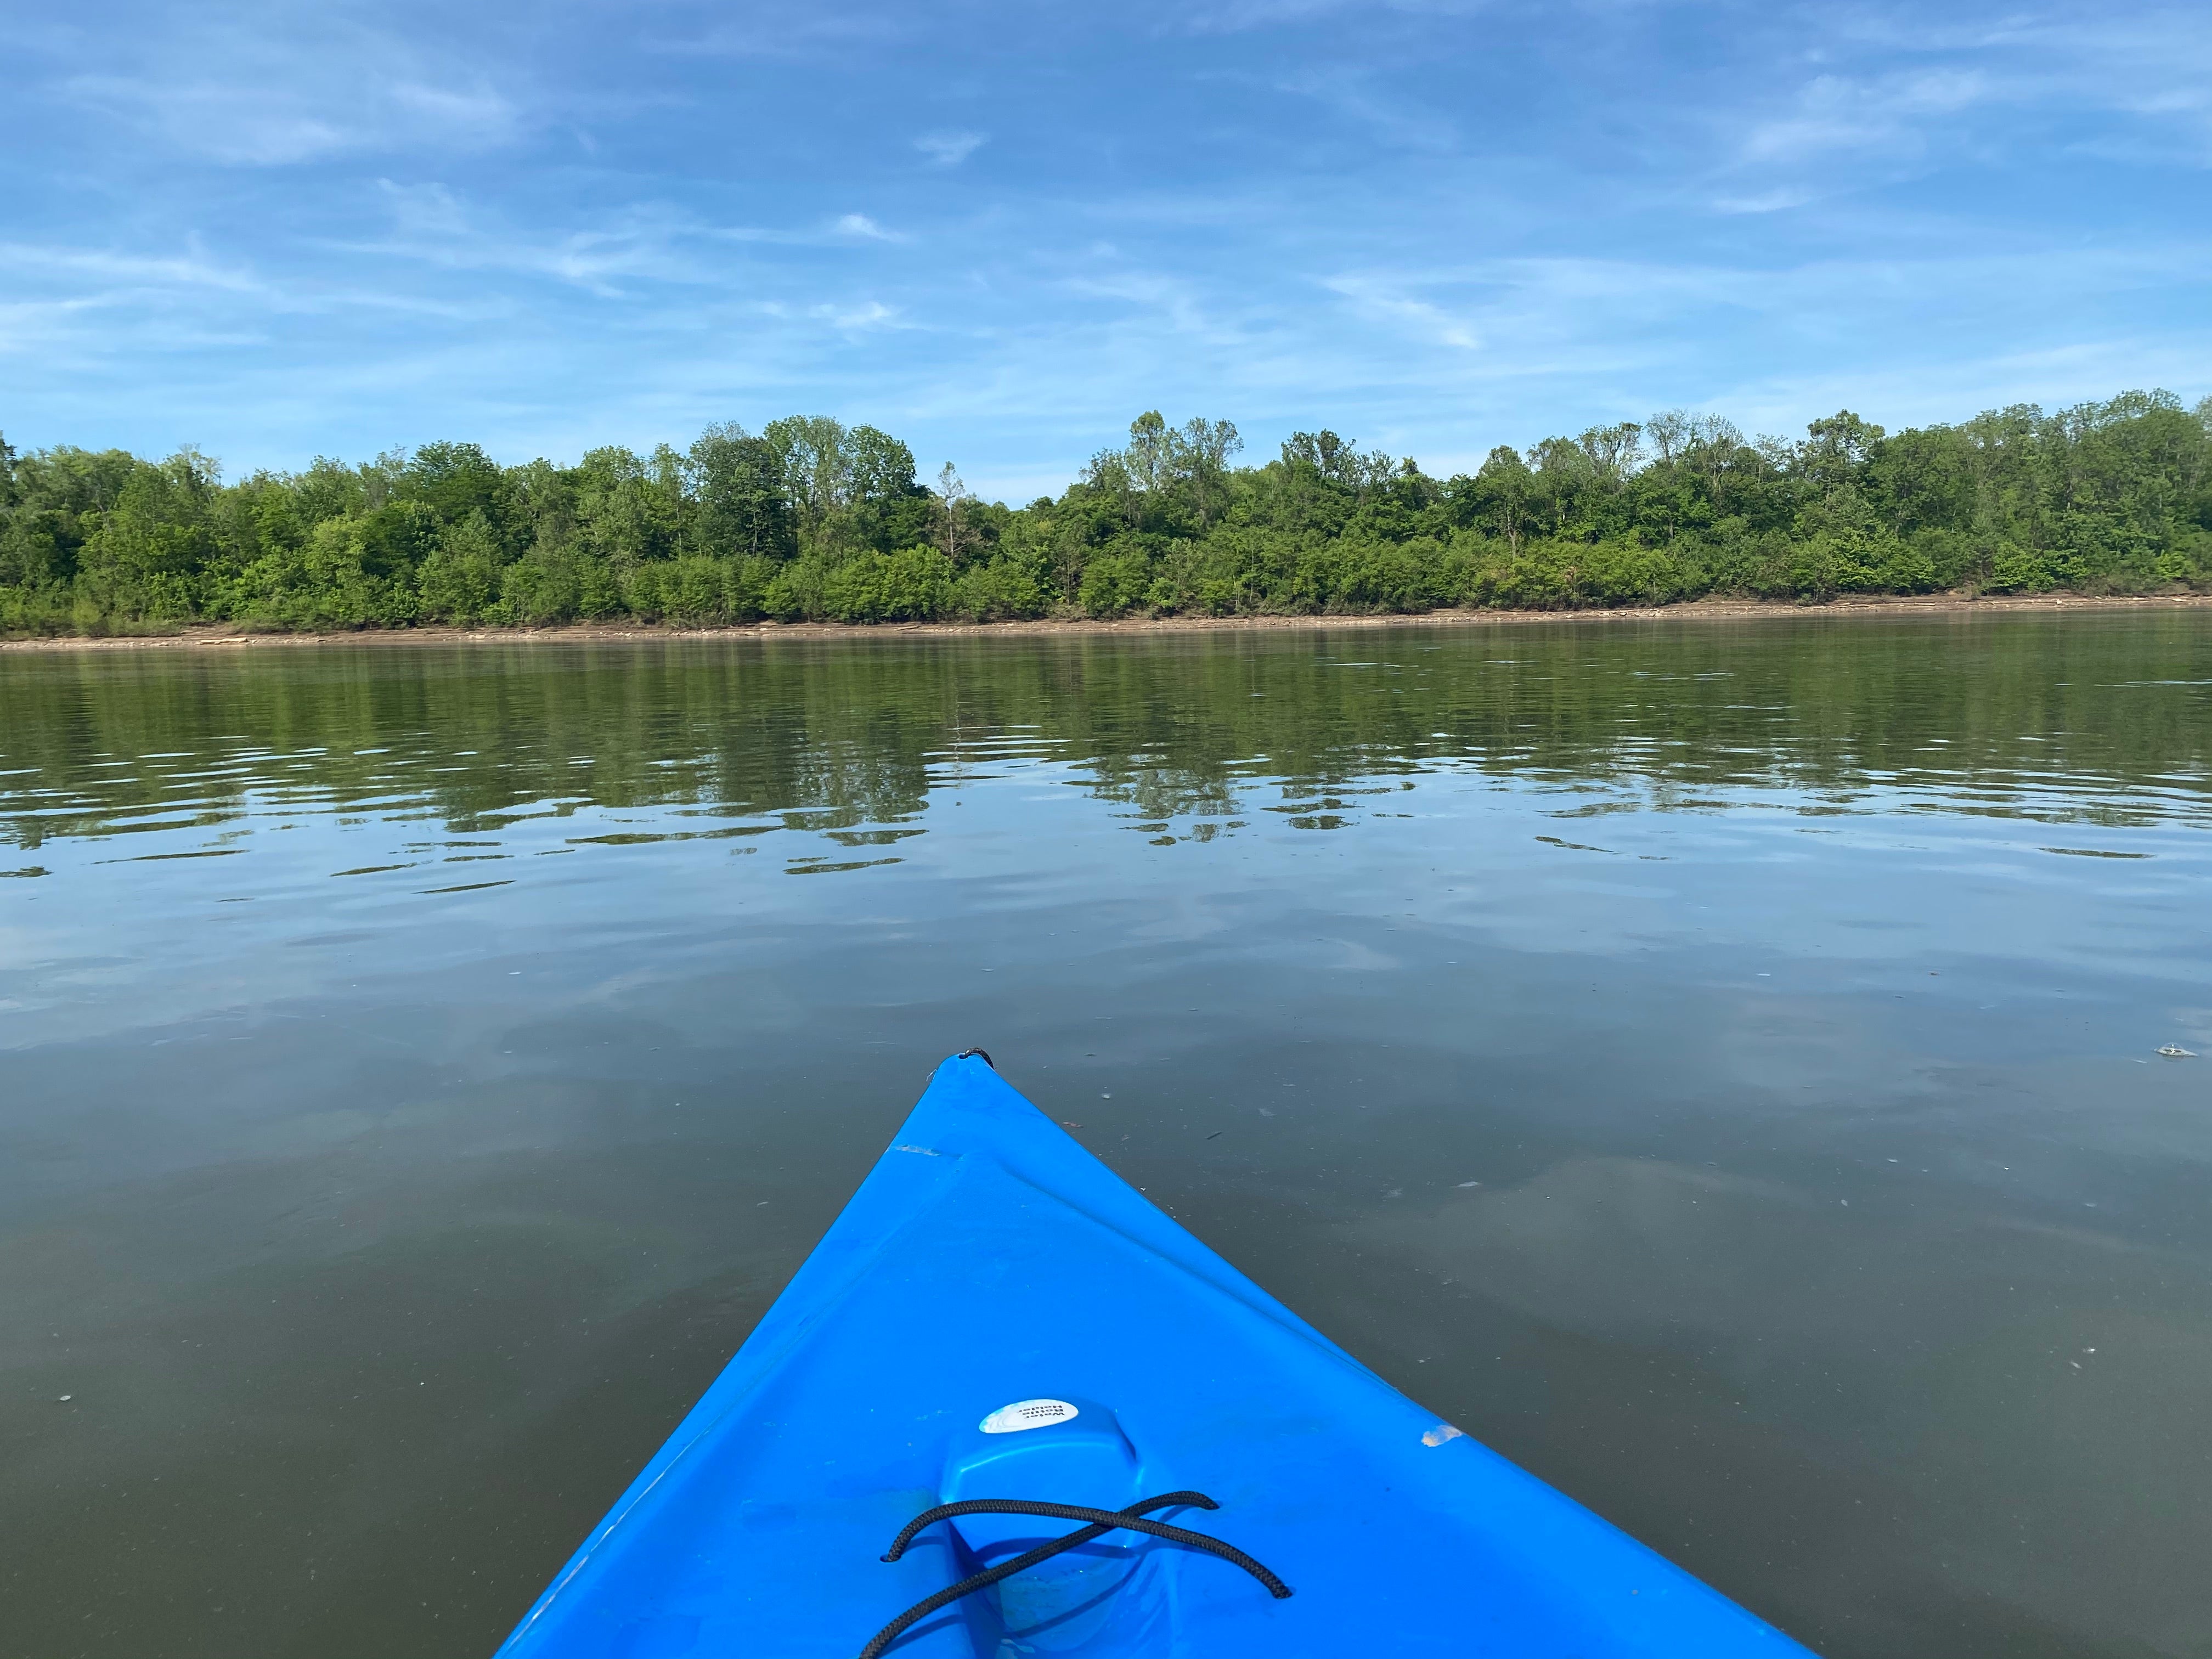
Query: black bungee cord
<point x="1100" y="1522"/>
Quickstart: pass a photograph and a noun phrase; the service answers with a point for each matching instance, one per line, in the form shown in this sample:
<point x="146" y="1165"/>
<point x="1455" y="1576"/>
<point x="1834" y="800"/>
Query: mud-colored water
<point x="1715" y="1064"/>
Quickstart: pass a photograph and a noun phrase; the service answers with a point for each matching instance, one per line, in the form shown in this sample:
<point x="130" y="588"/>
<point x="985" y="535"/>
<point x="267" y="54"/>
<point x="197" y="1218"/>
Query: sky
<point x="1000" y="232"/>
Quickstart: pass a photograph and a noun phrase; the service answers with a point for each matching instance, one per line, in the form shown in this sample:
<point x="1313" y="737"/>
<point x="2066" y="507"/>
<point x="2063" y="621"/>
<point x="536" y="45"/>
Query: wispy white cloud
<point x="1363" y="214"/>
<point x="1904" y="94"/>
<point x="1239" y="17"/>
<point x="864" y="228"/>
<point x="166" y="270"/>
<point x="425" y="210"/>
<point x="1234" y="16"/>
<point x="1880" y="116"/>
<point x="816" y="31"/>
<point x="177" y="300"/>
<point x="477" y="111"/>
<point x="1383" y="298"/>
<point x="1780" y="200"/>
<point x="376" y="102"/>
<point x="1164" y="296"/>
<point x="40" y="326"/>
<point x="867" y="314"/>
<point x="619" y="255"/>
<point x="2155" y="67"/>
<point x="949" y="149"/>
<point x="1393" y="114"/>
<point x="1953" y="389"/>
<point x="430" y="225"/>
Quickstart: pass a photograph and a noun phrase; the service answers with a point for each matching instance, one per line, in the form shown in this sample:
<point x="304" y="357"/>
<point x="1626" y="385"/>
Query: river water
<point x="1714" y="1063"/>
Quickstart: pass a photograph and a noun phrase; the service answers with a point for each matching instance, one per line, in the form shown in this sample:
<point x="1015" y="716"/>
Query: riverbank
<point x="1942" y="604"/>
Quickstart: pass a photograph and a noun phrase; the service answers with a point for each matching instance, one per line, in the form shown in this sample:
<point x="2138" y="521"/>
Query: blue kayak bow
<point x="998" y="1338"/>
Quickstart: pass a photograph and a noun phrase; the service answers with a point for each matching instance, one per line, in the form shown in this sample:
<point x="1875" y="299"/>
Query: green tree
<point x="460" y="579"/>
<point x="453" y="480"/>
<point x="742" y="504"/>
<point x="814" y="519"/>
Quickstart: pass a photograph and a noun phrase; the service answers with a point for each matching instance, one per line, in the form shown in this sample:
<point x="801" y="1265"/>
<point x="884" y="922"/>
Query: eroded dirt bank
<point x="1947" y="605"/>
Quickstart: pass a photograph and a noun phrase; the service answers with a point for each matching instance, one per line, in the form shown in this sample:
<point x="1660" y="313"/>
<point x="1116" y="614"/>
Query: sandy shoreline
<point x="1941" y="605"/>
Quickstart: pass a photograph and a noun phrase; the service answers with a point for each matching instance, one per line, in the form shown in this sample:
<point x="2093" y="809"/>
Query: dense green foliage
<point x="812" y="521"/>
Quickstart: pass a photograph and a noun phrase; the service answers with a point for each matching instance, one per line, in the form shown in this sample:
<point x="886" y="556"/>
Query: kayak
<point x="1009" y="1407"/>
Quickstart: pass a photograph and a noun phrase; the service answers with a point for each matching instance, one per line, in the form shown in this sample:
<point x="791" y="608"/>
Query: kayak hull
<point x="988" y="1259"/>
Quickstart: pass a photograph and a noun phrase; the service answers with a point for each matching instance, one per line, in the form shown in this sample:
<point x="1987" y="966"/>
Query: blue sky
<point x="1001" y="231"/>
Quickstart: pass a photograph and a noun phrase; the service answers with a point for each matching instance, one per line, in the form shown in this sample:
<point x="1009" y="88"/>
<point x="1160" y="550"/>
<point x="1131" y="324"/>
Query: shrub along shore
<point x="813" y="521"/>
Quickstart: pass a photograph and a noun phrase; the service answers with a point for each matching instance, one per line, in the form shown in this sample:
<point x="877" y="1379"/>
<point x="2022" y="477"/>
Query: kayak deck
<point x="989" y="1262"/>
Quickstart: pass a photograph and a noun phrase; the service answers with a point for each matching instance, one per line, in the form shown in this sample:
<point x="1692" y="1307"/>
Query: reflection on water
<point x="2040" y="717"/>
<point x="1717" y="1064"/>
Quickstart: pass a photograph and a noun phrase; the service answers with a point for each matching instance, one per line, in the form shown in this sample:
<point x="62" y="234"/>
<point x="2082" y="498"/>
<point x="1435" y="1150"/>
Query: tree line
<point x="812" y="521"/>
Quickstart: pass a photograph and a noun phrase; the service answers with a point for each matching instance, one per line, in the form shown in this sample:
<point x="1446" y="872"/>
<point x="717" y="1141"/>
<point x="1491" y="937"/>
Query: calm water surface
<point x="1715" y="1064"/>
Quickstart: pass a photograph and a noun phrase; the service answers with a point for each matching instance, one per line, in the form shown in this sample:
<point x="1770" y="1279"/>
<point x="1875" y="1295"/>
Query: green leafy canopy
<point x="810" y="519"/>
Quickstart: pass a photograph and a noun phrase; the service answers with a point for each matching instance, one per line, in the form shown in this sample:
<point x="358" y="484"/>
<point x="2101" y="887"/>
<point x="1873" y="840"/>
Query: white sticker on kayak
<point x="1028" y="1414"/>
